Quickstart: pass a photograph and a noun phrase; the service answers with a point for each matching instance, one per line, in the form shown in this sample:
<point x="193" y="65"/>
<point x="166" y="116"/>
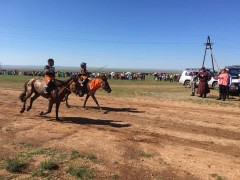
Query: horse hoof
<point x="28" y="108"/>
<point x="22" y="110"/>
<point x="68" y="106"/>
<point x="41" y="113"/>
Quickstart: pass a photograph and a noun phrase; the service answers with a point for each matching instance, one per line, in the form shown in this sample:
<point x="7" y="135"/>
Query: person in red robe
<point x="203" y="88"/>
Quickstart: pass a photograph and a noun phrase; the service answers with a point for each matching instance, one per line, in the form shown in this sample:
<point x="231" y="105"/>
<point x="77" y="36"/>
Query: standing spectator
<point x="203" y="88"/>
<point x="229" y="83"/>
<point x="171" y="77"/>
<point x="160" y="76"/>
<point x="156" y="76"/>
<point x="193" y="82"/>
<point x="223" y="83"/>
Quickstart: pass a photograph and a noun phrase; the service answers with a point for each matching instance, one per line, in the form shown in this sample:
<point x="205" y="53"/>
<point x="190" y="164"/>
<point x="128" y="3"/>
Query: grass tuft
<point x="81" y="172"/>
<point x="216" y="176"/>
<point x="75" y="154"/>
<point x="91" y="157"/>
<point x="15" y="164"/>
<point x="115" y="176"/>
<point x="38" y="172"/>
<point x="145" y="155"/>
<point x="49" y="165"/>
<point x="49" y="152"/>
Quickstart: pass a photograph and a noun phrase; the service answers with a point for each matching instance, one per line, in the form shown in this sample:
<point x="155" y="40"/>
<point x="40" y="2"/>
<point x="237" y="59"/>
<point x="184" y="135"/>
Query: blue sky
<point x="119" y="33"/>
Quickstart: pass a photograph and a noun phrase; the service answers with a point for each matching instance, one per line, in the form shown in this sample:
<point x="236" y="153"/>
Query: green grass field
<point x="120" y="88"/>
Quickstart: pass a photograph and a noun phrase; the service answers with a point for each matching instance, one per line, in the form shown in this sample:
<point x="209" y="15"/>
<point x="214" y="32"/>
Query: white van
<point x="187" y="75"/>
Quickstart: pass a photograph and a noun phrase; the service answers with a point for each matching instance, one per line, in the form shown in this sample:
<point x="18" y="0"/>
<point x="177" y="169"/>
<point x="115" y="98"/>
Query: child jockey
<point x="84" y="75"/>
<point x="49" y="75"/>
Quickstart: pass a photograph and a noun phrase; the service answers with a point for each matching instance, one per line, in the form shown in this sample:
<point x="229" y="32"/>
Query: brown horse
<point x="37" y="86"/>
<point x="92" y="86"/>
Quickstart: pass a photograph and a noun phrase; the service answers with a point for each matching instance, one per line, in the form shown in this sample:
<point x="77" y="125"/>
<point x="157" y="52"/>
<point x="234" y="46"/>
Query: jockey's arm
<point x="46" y="69"/>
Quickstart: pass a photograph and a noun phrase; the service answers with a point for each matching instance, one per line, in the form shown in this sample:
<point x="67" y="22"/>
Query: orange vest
<point x="83" y="78"/>
<point x="94" y="85"/>
<point x="48" y="78"/>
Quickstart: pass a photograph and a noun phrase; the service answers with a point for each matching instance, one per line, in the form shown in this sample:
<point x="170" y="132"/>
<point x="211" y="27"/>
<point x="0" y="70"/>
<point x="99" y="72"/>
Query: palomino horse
<point x="92" y="86"/>
<point x="37" y="85"/>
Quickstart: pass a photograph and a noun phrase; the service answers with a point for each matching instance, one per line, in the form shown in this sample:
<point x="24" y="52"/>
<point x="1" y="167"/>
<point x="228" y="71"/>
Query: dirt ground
<point x="133" y="138"/>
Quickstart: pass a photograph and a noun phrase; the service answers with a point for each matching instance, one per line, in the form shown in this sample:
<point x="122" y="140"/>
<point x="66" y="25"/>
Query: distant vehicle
<point x="187" y="75"/>
<point x="234" y="71"/>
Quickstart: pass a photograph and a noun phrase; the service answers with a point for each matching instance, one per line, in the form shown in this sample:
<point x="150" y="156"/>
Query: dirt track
<point x="184" y="140"/>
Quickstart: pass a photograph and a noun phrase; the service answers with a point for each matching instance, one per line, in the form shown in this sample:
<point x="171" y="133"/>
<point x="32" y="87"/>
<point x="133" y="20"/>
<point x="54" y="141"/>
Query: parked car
<point x="187" y="75"/>
<point x="234" y="71"/>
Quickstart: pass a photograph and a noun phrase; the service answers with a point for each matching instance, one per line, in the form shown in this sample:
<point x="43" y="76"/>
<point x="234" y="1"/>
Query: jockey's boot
<point x="84" y="87"/>
<point x="81" y="93"/>
<point x="48" y="87"/>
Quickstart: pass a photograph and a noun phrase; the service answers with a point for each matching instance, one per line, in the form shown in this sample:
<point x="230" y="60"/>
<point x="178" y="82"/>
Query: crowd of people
<point x="166" y="77"/>
<point x="128" y="76"/>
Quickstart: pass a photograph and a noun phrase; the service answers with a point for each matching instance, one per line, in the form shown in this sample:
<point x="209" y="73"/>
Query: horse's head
<point x="75" y="78"/>
<point x="104" y="84"/>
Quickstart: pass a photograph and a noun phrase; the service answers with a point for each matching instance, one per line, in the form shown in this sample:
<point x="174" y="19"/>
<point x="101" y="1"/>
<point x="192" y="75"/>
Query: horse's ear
<point x="74" y="77"/>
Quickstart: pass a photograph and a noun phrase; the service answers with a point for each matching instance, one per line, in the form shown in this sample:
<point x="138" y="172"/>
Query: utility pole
<point x="208" y="45"/>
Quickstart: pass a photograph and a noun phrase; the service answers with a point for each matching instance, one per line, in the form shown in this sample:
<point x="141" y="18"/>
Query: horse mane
<point x="103" y="77"/>
<point x="63" y="83"/>
<point x="67" y="81"/>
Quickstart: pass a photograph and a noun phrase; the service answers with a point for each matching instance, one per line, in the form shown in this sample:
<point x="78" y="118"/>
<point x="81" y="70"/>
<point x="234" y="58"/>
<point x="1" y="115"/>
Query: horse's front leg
<point x="95" y="100"/>
<point x="84" y="105"/>
<point x="66" y="99"/>
<point x="50" y="104"/>
<point x="31" y="101"/>
<point x="57" y="108"/>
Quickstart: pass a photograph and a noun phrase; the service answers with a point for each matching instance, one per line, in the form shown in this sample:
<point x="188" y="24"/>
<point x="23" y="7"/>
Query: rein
<point x="64" y="86"/>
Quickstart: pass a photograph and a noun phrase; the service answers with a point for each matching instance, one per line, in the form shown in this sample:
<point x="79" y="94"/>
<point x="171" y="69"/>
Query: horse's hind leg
<point x="23" y="107"/>
<point x="28" y="94"/>
<point x="31" y="101"/>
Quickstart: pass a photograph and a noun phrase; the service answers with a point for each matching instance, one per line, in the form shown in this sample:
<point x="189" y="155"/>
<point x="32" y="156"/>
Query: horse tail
<point x="23" y="94"/>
